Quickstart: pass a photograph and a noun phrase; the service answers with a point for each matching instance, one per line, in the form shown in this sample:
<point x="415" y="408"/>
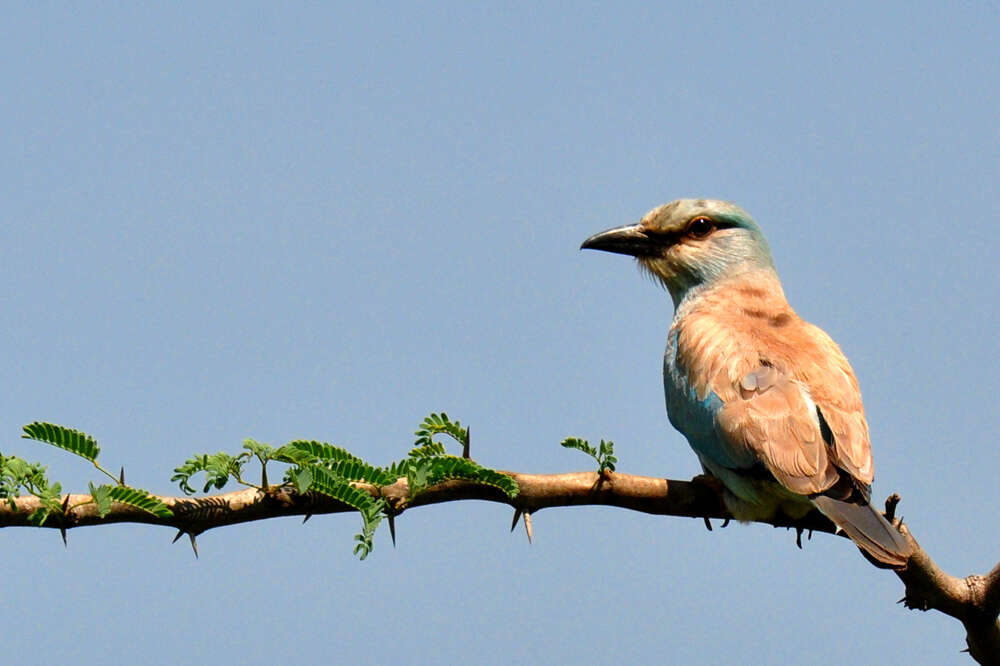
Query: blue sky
<point x="326" y="221"/>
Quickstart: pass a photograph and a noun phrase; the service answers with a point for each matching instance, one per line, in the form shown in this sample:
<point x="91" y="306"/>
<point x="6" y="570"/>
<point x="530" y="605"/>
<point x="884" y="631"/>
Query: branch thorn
<point x="708" y="523"/>
<point x="192" y="536"/>
<point x="527" y="525"/>
<point x="517" y="517"/>
<point x="392" y="527"/>
<point x="890" y="506"/>
<point x="62" y="520"/>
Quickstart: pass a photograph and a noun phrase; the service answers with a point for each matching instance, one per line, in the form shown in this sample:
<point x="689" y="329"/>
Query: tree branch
<point x="973" y="600"/>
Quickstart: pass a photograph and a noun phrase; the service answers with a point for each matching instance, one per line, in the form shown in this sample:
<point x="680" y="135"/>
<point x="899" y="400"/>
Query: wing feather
<point x="778" y="423"/>
<point x="774" y="381"/>
<point x="835" y="391"/>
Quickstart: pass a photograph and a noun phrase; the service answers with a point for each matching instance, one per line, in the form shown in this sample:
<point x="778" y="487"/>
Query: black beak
<point x="630" y="239"/>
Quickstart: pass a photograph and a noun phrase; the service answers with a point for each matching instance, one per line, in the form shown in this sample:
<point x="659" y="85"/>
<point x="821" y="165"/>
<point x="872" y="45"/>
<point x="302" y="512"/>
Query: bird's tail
<point x="868" y="529"/>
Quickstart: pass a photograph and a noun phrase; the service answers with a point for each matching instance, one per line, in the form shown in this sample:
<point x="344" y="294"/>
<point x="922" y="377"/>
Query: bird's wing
<point x="772" y="415"/>
<point x="787" y="395"/>
<point x="833" y="387"/>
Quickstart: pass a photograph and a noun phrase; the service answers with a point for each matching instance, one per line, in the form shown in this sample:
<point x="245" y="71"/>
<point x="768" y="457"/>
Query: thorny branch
<point x="973" y="600"/>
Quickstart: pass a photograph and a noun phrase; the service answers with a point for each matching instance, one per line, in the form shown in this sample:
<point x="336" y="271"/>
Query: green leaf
<point x="303" y="451"/>
<point x="102" y="498"/>
<point x="218" y="468"/>
<point x="141" y="499"/>
<point x="604" y="454"/>
<point x="453" y="467"/>
<point x="259" y="449"/>
<point x="338" y="461"/>
<point x="371" y="516"/>
<point x="579" y="445"/>
<point x="301" y="478"/>
<point x="430" y="449"/>
<point x="51" y="503"/>
<point x="71" y="440"/>
<point x="398" y="469"/>
<point x="372" y="510"/>
<point x="417" y="474"/>
<point x="39" y="515"/>
<point x="358" y="470"/>
<point x="325" y="483"/>
<point x="17" y="474"/>
<point x="440" y="423"/>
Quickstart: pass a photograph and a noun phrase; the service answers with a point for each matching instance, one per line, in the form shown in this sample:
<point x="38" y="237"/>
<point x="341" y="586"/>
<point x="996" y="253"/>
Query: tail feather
<point x="868" y="529"/>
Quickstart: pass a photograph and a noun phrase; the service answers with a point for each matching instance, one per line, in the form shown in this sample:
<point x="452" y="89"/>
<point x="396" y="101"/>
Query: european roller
<point x="767" y="401"/>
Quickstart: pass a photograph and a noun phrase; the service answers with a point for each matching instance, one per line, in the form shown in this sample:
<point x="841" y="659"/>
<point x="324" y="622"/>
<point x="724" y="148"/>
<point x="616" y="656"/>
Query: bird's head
<point x="690" y="243"/>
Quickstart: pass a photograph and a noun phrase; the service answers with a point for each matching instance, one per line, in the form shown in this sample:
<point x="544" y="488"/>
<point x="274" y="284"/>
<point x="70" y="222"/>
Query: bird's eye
<point x="700" y="227"/>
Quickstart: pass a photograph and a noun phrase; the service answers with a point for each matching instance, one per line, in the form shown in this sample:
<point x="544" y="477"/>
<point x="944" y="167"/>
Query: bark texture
<point x="974" y="600"/>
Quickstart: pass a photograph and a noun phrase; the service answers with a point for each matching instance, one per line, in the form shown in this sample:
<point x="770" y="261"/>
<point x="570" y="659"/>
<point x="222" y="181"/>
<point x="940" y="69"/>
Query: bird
<point x="768" y="401"/>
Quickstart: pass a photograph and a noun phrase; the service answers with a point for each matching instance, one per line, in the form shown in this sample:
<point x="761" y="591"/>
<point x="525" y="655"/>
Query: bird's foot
<point x="717" y="488"/>
<point x="709" y="481"/>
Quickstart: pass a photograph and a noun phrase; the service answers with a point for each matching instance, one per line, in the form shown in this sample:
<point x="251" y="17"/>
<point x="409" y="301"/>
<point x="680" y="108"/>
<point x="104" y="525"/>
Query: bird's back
<point x="806" y="425"/>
